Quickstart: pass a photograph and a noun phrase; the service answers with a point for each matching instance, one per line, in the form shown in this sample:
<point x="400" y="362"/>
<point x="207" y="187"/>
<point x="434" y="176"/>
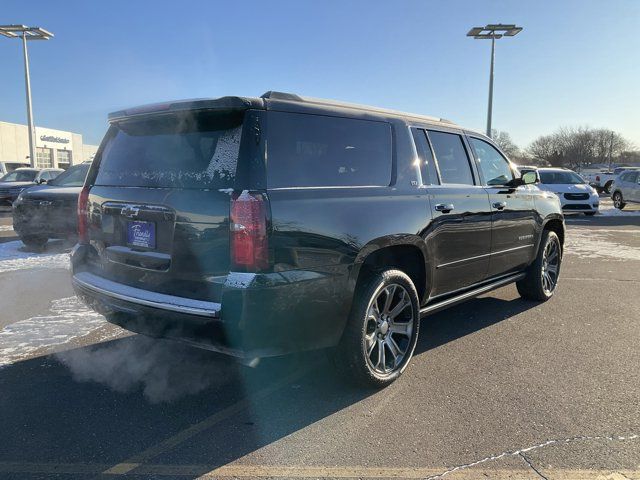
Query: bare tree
<point x="576" y="147"/>
<point x="544" y="150"/>
<point x="503" y="140"/>
<point x="608" y="145"/>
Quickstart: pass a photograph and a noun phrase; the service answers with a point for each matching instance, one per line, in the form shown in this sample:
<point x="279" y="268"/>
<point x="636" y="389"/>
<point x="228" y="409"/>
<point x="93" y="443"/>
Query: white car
<point x="626" y="188"/>
<point x="576" y="196"/>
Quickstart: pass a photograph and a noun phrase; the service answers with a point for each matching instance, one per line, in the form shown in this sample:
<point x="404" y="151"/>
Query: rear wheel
<point x="542" y="276"/>
<point x="34" y="241"/>
<point x="382" y="330"/>
<point x="618" y="201"/>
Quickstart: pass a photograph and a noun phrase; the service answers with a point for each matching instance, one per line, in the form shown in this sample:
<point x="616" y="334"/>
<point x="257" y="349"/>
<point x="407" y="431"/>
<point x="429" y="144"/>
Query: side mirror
<point x="41" y="181"/>
<point x="529" y="178"/>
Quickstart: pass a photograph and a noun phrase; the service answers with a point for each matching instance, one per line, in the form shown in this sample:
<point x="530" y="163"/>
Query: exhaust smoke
<point x="164" y="370"/>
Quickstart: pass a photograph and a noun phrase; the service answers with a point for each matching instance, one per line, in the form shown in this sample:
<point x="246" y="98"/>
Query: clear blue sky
<point x="576" y="62"/>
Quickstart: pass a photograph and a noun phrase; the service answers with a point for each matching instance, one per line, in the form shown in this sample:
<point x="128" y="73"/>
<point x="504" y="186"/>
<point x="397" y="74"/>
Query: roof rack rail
<point x="292" y="97"/>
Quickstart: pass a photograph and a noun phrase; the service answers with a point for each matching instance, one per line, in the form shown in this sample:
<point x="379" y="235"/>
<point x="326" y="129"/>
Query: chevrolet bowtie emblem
<point x="129" y="211"/>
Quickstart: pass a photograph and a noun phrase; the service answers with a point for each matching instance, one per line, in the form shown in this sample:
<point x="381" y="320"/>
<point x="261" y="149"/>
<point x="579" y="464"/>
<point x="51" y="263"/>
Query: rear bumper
<point x="155" y="315"/>
<point x="259" y="315"/>
<point x="96" y="285"/>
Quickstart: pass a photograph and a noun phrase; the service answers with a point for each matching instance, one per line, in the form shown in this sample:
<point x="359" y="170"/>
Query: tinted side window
<point x="451" y="157"/>
<point x="494" y="167"/>
<point x="427" y="164"/>
<point x="631" y="177"/>
<point x="320" y="151"/>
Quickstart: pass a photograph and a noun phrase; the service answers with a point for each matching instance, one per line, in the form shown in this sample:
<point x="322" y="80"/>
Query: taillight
<point x="83" y="215"/>
<point x="597" y="178"/>
<point x="248" y="225"/>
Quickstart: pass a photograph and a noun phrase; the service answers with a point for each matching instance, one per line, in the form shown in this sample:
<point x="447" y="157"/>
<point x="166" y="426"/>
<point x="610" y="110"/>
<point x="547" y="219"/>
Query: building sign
<point x="48" y="138"/>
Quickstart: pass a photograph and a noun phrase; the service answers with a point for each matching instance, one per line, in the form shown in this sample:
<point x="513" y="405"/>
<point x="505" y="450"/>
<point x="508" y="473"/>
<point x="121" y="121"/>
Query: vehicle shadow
<point x="152" y="402"/>
<point x="51" y="247"/>
<point x="467" y="318"/>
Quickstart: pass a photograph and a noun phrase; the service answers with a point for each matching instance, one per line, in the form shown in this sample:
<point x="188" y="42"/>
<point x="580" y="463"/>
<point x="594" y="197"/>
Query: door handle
<point x="443" y="207"/>
<point x="499" y="205"/>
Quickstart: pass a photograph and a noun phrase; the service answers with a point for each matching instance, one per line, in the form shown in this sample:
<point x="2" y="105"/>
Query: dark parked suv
<point x="263" y="226"/>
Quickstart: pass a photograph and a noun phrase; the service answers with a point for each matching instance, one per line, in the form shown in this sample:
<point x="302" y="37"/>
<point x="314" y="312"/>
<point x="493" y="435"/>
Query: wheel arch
<point x="555" y="223"/>
<point x="404" y="252"/>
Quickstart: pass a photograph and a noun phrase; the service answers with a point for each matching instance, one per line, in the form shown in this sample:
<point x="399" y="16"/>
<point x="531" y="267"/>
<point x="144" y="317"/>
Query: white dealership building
<point x="54" y="148"/>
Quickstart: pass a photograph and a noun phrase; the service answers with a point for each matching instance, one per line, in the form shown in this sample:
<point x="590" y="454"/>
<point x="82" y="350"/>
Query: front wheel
<point x="382" y="330"/>
<point x="542" y="276"/>
<point x="618" y="201"/>
<point x="607" y="187"/>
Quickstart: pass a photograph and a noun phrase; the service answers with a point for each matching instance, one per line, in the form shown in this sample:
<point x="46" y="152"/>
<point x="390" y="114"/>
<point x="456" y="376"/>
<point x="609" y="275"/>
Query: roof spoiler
<point x="222" y="103"/>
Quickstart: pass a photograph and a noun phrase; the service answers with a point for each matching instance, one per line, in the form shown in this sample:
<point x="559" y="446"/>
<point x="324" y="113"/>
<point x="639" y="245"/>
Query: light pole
<point x="27" y="33"/>
<point x="492" y="32"/>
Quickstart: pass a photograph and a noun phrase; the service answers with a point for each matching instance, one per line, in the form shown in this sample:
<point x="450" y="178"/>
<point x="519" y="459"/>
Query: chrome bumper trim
<point x="161" y="301"/>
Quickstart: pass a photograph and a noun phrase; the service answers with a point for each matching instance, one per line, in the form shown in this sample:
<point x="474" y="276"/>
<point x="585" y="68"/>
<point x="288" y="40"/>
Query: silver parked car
<point x="626" y="188"/>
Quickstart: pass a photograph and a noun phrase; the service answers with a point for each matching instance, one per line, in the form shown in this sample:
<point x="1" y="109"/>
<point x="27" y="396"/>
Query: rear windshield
<point x="194" y="150"/>
<point x="72" y="177"/>
<point x="320" y="151"/>
<point x="20" y="176"/>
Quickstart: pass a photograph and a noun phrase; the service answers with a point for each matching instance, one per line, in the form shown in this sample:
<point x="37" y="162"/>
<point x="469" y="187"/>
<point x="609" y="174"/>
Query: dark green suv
<point x="263" y="226"/>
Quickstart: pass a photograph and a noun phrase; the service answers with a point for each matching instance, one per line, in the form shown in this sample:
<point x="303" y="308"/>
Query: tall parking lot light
<point x="492" y="32"/>
<point x="27" y="33"/>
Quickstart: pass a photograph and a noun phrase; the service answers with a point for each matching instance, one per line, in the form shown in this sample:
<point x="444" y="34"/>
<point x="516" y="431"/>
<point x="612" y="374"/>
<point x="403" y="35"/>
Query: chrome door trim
<point x="469" y="259"/>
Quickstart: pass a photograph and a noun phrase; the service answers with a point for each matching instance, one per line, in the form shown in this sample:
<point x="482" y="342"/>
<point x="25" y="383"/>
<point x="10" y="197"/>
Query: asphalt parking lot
<point x="498" y="388"/>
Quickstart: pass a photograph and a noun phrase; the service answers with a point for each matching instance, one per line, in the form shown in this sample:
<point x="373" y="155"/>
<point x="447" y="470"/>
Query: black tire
<point x="618" y="201"/>
<point x="607" y="186"/>
<point x="590" y="214"/>
<point x="369" y="327"/>
<point x="540" y="283"/>
<point x="34" y="241"/>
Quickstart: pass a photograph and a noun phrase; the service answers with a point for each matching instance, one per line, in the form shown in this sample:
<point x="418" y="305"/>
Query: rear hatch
<point x="159" y="201"/>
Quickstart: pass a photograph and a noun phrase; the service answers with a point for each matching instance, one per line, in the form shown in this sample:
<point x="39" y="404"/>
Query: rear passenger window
<point x="320" y="151"/>
<point x="451" y="157"/>
<point x="427" y="165"/>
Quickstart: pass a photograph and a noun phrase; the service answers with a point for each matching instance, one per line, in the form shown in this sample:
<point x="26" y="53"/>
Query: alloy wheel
<point x="389" y="326"/>
<point x="617" y="200"/>
<point x="550" y="266"/>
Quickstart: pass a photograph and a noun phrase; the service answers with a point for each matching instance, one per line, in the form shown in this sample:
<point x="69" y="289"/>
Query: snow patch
<point x="245" y="196"/>
<point x="13" y="256"/>
<point x="68" y="319"/>
<point x="598" y="244"/>
<point x="614" y="212"/>
<point x="223" y="162"/>
<point x="239" y="279"/>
